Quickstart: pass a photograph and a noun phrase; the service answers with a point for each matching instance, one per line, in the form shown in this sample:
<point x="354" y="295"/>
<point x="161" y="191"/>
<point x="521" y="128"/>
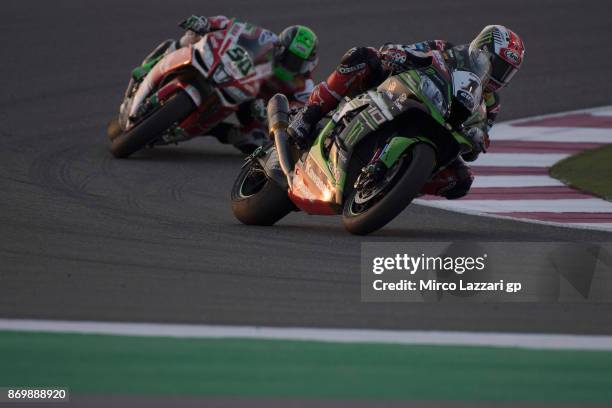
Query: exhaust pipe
<point x="278" y="120"/>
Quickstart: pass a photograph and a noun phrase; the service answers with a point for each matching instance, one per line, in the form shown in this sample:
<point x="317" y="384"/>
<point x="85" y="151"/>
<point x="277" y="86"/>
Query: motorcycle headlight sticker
<point x="467" y="89"/>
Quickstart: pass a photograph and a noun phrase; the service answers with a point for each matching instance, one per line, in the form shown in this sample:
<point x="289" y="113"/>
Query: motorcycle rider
<point x="294" y="59"/>
<point x="496" y="47"/>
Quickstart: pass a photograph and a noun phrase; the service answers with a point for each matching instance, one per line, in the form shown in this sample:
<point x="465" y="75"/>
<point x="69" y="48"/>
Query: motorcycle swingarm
<point x="268" y="159"/>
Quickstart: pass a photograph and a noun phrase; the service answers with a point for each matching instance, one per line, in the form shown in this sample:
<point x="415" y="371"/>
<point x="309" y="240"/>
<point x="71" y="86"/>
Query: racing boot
<point x="302" y="124"/>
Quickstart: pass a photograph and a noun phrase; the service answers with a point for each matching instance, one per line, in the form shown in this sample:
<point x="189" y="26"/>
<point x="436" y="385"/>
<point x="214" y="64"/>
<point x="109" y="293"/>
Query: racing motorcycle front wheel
<point x="369" y="209"/>
<point x="257" y="200"/>
<point x="173" y="111"/>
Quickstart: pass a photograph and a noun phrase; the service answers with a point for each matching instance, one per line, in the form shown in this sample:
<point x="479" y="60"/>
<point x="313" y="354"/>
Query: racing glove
<point x="198" y="24"/>
<point x="300" y="128"/>
<point x="399" y="58"/>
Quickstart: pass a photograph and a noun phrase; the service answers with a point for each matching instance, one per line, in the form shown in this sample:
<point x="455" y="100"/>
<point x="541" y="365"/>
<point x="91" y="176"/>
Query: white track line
<point x="504" y="131"/>
<point x="407" y="337"/>
<point x="589" y="205"/>
<point x="601" y="110"/>
<point x="595" y="225"/>
<point x="499" y="208"/>
<point x="605" y="227"/>
<point x="515" y="181"/>
<point x="519" y="159"/>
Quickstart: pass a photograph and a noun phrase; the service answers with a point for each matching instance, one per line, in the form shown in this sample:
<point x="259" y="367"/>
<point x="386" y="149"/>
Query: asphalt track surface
<point x="85" y="236"/>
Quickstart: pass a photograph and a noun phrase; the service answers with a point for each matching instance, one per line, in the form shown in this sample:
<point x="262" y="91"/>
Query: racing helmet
<point x="295" y="52"/>
<point x="504" y="50"/>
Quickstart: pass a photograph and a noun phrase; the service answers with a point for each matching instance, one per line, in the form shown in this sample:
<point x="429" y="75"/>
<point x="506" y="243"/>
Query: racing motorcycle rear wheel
<point x="366" y="213"/>
<point x="257" y="200"/>
<point x="173" y="111"/>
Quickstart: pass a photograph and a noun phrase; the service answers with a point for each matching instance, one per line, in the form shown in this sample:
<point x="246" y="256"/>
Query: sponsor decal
<point x="399" y="102"/>
<point x="343" y="69"/>
<point x="312" y="172"/>
<point x="468" y="88"/>
<point x="511" y="56"/>
<point x="395" y="56"/>
<point x="241" y="60"/>
<point x="376" y="115"/>
<point x="301" y="47"/>
<point x="354" y="132"/>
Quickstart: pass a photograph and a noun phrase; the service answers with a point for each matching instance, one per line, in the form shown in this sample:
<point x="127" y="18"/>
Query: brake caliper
<point x="371" y="175"/>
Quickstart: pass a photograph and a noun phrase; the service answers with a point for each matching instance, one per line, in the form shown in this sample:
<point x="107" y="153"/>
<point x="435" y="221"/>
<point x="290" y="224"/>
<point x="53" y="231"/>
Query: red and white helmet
<point x="505" y="51"/>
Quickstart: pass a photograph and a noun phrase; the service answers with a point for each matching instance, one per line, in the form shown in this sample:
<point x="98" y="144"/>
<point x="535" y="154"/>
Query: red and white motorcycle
<point x="191" y="90"/>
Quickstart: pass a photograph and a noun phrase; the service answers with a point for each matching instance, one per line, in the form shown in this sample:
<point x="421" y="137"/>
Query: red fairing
<point x="314" y="207"/>
<point x="310" y="191"/>
<point x="170" y="89"/>
<point x="192" y="122"/>
<point x="178" y="59"/>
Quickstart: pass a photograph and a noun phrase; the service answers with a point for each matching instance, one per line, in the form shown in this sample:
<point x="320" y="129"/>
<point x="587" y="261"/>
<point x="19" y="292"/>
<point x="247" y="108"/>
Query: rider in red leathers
<point x="362" y="68"/>
<point x="295" y="57"/>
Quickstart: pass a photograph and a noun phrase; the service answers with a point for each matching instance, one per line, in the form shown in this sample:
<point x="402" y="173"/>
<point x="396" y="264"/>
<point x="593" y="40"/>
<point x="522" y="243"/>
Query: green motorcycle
<point x="371" y="158"/>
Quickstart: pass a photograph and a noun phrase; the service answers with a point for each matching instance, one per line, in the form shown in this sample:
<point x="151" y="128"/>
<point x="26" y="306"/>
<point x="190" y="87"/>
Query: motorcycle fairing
<point x="319" y="179"/>
<point x="236" y="80"/>
<point x="171" y="62"/>
<point x="236" y="61"/>
<point x="313" y="187"/>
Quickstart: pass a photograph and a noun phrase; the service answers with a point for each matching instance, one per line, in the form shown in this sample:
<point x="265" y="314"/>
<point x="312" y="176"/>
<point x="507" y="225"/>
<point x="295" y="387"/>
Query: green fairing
<point x="356" y="130"/>
<point x="326" y="130"/>
<point x="405" y="84"/>
<point x="414" y="75"/>
<point x="140" y="72"/>
<point x="317" y="153"/>
<point x="397" y="146"/>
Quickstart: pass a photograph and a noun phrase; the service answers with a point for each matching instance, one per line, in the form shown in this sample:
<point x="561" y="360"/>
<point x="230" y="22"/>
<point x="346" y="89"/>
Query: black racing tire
<point x="257" y="200"/>
<point x="407" y="186"/>
<point x="113" y="130"/>
<point x="175" y="109"/>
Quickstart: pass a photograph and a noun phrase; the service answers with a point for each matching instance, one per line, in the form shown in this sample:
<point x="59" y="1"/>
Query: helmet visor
<point x="296" y="65"/>
<point x="502" y="72"/>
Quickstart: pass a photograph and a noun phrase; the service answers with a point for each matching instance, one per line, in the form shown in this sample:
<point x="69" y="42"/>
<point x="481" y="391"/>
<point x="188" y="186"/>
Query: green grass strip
<point x="276" y="368"/>
<point x="588" y="171"/>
